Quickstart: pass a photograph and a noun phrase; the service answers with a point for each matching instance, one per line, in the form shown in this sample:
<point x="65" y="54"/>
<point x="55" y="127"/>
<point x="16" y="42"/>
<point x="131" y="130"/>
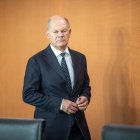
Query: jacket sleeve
<point x="86" y="89"/>
<point x="31" y="89"/>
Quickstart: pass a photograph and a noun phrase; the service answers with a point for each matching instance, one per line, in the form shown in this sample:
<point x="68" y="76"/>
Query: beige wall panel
<point x="106" y="31"/>
<point x="136" y="58"/>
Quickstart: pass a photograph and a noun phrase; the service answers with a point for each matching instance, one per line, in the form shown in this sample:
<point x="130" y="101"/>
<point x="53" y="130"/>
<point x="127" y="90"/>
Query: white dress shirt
<point x="68" y="61"/>
<point x="69" y="64"/>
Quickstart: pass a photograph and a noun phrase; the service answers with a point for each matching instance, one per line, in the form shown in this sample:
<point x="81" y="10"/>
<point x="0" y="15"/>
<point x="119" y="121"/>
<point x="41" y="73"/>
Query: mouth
<point x="59" y="41"/>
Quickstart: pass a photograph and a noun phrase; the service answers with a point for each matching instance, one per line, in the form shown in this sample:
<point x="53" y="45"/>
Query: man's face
<point x="59" y="33"/>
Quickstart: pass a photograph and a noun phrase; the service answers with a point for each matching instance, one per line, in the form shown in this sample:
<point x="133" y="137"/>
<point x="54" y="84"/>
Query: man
<point x="57" y="84"/>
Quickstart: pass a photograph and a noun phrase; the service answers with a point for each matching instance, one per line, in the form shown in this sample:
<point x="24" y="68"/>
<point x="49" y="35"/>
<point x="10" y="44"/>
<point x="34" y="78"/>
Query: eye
<point x="64" y="31"/>
<point x="55" y="32"/>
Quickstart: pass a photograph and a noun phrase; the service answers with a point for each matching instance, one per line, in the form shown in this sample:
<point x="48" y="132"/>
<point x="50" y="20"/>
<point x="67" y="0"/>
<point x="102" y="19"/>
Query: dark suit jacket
<point x="45" y="87"/>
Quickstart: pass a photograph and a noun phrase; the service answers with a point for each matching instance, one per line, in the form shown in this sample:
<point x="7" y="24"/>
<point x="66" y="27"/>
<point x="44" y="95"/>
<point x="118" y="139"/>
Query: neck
<point x="61" y="48"/>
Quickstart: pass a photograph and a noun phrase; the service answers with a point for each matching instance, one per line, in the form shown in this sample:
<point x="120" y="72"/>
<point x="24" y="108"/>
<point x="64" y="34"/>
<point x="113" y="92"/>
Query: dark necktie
<point x="66" y="72"/>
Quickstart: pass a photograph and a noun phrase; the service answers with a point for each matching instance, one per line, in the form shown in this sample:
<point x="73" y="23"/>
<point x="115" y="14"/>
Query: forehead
<point x="58" y="24"/>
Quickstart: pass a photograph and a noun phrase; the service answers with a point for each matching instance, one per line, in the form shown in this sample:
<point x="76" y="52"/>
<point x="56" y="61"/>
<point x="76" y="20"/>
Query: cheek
<point x="67" y="37"/>
<point x="51" y="38"/>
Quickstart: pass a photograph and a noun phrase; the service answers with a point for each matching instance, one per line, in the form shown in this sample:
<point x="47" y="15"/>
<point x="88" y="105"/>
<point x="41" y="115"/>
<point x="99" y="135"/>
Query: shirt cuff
<point x="61" y="105"/>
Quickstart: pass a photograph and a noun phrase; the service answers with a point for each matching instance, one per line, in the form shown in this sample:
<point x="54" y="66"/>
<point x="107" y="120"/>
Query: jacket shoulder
<point x="38" y="54"/>
<point x="77" y="53"/>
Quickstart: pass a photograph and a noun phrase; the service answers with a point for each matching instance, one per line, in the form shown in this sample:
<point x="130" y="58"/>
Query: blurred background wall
<point x="106" y="31"/>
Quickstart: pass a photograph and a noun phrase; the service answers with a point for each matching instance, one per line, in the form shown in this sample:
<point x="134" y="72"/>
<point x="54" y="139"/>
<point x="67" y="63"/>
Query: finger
<point x="74" y="108"/>
<point x="82" y="108"/>
<point x="83" y="104"/>
<point x="81" y="100"/>
<point x="72" y="112"/>
<point x="74" y="104"/>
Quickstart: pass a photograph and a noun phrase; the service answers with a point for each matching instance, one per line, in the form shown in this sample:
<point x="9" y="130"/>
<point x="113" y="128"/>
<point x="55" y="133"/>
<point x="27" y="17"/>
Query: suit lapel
<point x="75" y="67"/>
<point x="52" y="61"/>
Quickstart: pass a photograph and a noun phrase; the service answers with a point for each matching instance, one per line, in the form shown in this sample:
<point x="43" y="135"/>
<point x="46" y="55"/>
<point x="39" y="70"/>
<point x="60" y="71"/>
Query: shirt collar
<point x="58" y="52"/>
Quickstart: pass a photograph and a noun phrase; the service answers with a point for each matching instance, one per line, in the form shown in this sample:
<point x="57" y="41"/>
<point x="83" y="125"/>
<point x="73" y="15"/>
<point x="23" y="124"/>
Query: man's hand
<point x="82" y="103"/>
<point x="69" y="107"/>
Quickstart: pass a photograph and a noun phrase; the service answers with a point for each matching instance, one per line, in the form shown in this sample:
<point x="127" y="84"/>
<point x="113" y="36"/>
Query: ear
<point x="47" y="34"/>
<point x="69" y="31"/>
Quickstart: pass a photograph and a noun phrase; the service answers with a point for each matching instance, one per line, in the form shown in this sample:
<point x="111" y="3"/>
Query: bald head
<point x="58" y="19"/>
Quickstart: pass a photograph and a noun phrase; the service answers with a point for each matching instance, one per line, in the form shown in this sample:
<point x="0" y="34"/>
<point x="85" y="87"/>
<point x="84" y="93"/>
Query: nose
<point x="60" y="34"/>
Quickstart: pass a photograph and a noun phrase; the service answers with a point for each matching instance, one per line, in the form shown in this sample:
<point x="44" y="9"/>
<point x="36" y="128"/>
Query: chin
<point x="62" y="45"/>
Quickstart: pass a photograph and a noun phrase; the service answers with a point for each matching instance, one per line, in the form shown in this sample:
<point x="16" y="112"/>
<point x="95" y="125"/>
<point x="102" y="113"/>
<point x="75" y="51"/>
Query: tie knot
<point x="63" y="54"/>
